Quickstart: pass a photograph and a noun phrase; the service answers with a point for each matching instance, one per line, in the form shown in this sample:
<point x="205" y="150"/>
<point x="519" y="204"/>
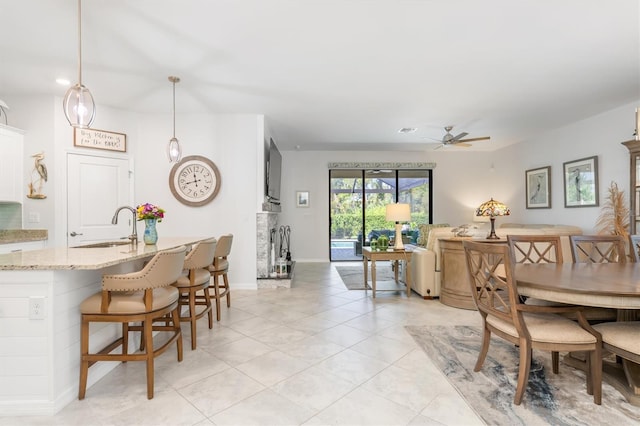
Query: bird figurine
<point x="38" y="177"/>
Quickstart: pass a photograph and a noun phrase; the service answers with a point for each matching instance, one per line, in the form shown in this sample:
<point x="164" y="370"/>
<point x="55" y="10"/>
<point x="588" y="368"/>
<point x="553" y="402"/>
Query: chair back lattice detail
<point x="598" y="248"/>
<point x="535" y="248"/>
<point x="490" y="269"/>
<point x="634" y="248"/>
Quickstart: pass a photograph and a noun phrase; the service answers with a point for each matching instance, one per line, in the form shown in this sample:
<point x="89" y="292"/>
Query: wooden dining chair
<point x="598" y="248"/>
<point x="490" y="270"/>
<point x="139" y="297"/>
<point x="622" y="338"/>
<point x="634" y="248"/>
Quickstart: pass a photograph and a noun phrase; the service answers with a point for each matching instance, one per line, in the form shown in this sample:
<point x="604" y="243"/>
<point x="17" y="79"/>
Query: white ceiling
<point x="338" y="74"/>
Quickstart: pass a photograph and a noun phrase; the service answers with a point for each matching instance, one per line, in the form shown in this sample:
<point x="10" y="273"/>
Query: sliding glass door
<point x="358" y="205"/>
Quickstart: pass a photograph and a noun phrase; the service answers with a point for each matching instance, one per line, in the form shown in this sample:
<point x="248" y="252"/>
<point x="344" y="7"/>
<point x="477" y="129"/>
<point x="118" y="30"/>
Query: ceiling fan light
<point x="79" y="107"/>
<point x="174" y="150"/>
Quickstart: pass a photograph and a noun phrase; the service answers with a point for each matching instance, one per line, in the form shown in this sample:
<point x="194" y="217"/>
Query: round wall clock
<point x="194" y="181"/>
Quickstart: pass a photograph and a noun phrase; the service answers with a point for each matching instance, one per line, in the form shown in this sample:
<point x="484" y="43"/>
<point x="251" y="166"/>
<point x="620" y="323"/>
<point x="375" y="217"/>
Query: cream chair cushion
<point x="129" y="302"/>
<point x="546" y="328"/>
<point x="622" y="334"/>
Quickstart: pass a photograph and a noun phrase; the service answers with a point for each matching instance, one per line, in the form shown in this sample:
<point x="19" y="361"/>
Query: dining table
<point x="606" y="285"/>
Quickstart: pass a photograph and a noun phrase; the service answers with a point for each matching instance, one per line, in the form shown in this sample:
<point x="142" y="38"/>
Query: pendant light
<point x="174" y="151"/>
<point x="78" y="104"/>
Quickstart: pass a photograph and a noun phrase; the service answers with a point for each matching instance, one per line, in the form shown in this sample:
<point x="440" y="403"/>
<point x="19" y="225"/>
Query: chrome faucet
<point x="134" y="230"/>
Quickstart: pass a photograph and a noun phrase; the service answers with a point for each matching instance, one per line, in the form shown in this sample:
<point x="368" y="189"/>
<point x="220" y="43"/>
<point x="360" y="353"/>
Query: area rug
<point x="353" y="276"/>
<point x="553" y="399"/>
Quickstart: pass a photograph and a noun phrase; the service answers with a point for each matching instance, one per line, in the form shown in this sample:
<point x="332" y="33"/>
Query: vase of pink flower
<point x="151" y="214"/>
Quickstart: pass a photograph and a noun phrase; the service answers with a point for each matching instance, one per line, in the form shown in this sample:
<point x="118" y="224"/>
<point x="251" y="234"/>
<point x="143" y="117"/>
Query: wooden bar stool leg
<point x="216" y="289"/>
<point x="226" y="287"/>
<point x="84" y="363"/>
<point x="175" y="314"/>
<point x="148" y="338"/>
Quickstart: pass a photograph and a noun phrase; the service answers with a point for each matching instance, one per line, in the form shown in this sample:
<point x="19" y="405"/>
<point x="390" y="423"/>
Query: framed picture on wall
<point x="581" y="182"/>
<point x="302" y="198"/>
<point x="538" y="184"/>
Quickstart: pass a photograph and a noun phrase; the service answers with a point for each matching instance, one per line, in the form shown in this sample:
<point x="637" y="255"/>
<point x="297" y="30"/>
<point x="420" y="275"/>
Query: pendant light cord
<point x="80" y="42"/>
<point x="174" y="108"/>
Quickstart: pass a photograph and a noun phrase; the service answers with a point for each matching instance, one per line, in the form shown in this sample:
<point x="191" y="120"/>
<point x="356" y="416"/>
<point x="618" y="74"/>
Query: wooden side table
<point x="454" y="281"/>
<point x="390" y="254"/>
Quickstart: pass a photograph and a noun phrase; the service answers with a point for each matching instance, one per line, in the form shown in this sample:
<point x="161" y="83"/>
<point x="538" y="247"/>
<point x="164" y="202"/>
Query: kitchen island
<point x="40" y="294"/>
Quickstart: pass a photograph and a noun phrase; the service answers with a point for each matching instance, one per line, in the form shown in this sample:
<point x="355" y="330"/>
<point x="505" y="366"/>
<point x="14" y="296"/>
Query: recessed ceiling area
<point x="336" y="74"/>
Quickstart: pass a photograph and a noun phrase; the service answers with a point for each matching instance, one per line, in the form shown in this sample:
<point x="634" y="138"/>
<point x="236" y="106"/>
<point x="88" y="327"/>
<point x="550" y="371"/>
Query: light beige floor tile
<point x="195" y="366"/>
<point x="264" y="408"/>
<point x="220" y="391"/>
<point x="383" y="348"/>
<point x="273" y="367"/>
<point x="240" y="351"/>
<point x="344" y="335"/>
<point x="253" y="325"/>
<point x="312" y="349"/>
<point x="449" y="409"/>
<point x="314" y="388"/>
<point x="361" y="407"/>
<point x="353" y="366"/>
<point x="280" y="335"/>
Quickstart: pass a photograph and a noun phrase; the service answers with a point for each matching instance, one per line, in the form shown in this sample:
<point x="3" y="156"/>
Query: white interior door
<point x="96" y="187"/>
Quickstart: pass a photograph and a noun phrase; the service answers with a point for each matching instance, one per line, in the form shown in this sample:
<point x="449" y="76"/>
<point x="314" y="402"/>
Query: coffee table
<point x="390" y="254"/>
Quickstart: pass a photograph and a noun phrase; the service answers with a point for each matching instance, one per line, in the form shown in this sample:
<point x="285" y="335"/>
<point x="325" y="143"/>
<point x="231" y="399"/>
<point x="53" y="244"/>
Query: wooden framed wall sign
<point x="100" y="139"/>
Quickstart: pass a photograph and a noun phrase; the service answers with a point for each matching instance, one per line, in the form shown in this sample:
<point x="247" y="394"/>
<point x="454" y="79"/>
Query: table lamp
<point x="492" y="208"/>
<point x="398" y="213"/>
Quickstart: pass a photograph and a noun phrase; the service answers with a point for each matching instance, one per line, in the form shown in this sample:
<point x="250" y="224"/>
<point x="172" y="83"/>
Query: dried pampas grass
<point x="614" y="217"/>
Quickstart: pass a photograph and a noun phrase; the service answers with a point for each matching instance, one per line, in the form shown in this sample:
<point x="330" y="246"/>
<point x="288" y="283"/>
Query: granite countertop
<point x="8" y="236"/>
<point x="60" y="258"/>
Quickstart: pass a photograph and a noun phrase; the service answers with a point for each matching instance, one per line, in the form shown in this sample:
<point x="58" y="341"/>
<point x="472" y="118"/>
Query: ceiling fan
<point x="450" y="139"/>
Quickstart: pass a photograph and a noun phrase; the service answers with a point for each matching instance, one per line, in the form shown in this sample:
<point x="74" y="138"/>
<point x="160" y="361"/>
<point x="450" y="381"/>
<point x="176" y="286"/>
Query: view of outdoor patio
<point x="358" y="206"/>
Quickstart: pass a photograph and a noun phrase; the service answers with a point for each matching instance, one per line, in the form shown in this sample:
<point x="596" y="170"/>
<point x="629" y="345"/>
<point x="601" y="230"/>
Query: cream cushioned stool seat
<point x="142" y="296"/>
<point x="197" y="279"/>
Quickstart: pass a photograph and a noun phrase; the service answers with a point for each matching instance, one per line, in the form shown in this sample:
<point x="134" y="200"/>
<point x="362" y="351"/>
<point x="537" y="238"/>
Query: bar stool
<point x="196" y="279"/>
<point x="142" y="296"/>
<point x="220" y="267"/>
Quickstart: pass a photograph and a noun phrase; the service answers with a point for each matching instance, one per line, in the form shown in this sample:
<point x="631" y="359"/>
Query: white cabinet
<point x="11" y="164"/>
<point x="24" y="246"/>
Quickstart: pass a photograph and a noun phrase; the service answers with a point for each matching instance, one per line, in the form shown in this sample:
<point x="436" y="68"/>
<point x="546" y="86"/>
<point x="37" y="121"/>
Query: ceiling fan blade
<point x="438" y="147"/>
<point x="458" y="137"/>
<point x="483" y="138"/>
<point x="460" y="143"/>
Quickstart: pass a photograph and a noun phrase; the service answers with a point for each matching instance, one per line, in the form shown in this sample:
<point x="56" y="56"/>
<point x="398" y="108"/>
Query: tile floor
<point x="315" y="354"/>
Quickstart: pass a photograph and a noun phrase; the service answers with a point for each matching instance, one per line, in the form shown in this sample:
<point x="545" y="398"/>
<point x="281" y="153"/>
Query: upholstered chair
<point x="218" y="269"/>
<point x="490" y="269"/>
<point x="193" y="286"/>
<point x="137" y="297"/>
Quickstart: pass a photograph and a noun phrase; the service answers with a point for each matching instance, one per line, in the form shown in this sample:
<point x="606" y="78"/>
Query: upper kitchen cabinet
<point x="11" y="164"/>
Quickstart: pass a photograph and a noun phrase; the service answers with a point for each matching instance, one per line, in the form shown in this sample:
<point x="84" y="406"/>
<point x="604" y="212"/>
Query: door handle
<point x="74" y="233"/>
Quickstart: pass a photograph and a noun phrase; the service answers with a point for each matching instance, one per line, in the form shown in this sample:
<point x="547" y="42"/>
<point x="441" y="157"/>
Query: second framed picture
<point x="538" y="185"/>
<point x="302" y="198"/>
<point x="581" y="182"/>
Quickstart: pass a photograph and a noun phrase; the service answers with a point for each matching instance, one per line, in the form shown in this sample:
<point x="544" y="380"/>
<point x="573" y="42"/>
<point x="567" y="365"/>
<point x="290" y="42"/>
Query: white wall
<point x="600" y="135"/>
<point x="463" y="179"/>
<point x="230" y="142"/>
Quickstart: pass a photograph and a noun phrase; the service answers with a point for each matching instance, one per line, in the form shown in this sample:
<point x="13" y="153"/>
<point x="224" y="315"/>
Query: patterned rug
<point x="353" y="276"/>
<point x="553" y="399"/>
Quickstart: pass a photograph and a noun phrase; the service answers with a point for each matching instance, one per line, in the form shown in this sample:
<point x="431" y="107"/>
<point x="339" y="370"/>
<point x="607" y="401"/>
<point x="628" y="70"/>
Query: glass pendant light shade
<point x="78" y="104"/>
<point x="174" y="151"/>
<point x="79" y="107"/>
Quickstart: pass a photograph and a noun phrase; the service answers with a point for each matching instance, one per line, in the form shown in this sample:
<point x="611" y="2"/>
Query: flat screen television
<point x="274" y="173"/>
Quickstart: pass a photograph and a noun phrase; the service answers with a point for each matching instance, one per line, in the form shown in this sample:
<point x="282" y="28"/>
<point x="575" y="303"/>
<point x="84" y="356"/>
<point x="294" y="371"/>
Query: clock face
<point x="195" y="180"/>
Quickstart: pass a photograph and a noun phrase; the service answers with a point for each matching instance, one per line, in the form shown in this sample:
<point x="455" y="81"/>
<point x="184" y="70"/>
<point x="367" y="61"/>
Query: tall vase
<point x="150" y="232"/>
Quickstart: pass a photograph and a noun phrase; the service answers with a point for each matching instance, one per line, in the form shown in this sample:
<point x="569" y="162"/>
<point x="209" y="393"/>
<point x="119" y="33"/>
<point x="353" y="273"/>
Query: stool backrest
<point x="201" y="256"/>
<point x="161" y="271"/>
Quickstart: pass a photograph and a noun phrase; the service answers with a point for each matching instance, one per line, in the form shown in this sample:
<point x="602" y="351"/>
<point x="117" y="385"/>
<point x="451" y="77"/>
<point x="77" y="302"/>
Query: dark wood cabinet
<point x="634" y="184"/>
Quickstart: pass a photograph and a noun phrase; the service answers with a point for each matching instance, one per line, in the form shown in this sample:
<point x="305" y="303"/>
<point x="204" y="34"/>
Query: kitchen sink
<point x="105" y="244"/>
